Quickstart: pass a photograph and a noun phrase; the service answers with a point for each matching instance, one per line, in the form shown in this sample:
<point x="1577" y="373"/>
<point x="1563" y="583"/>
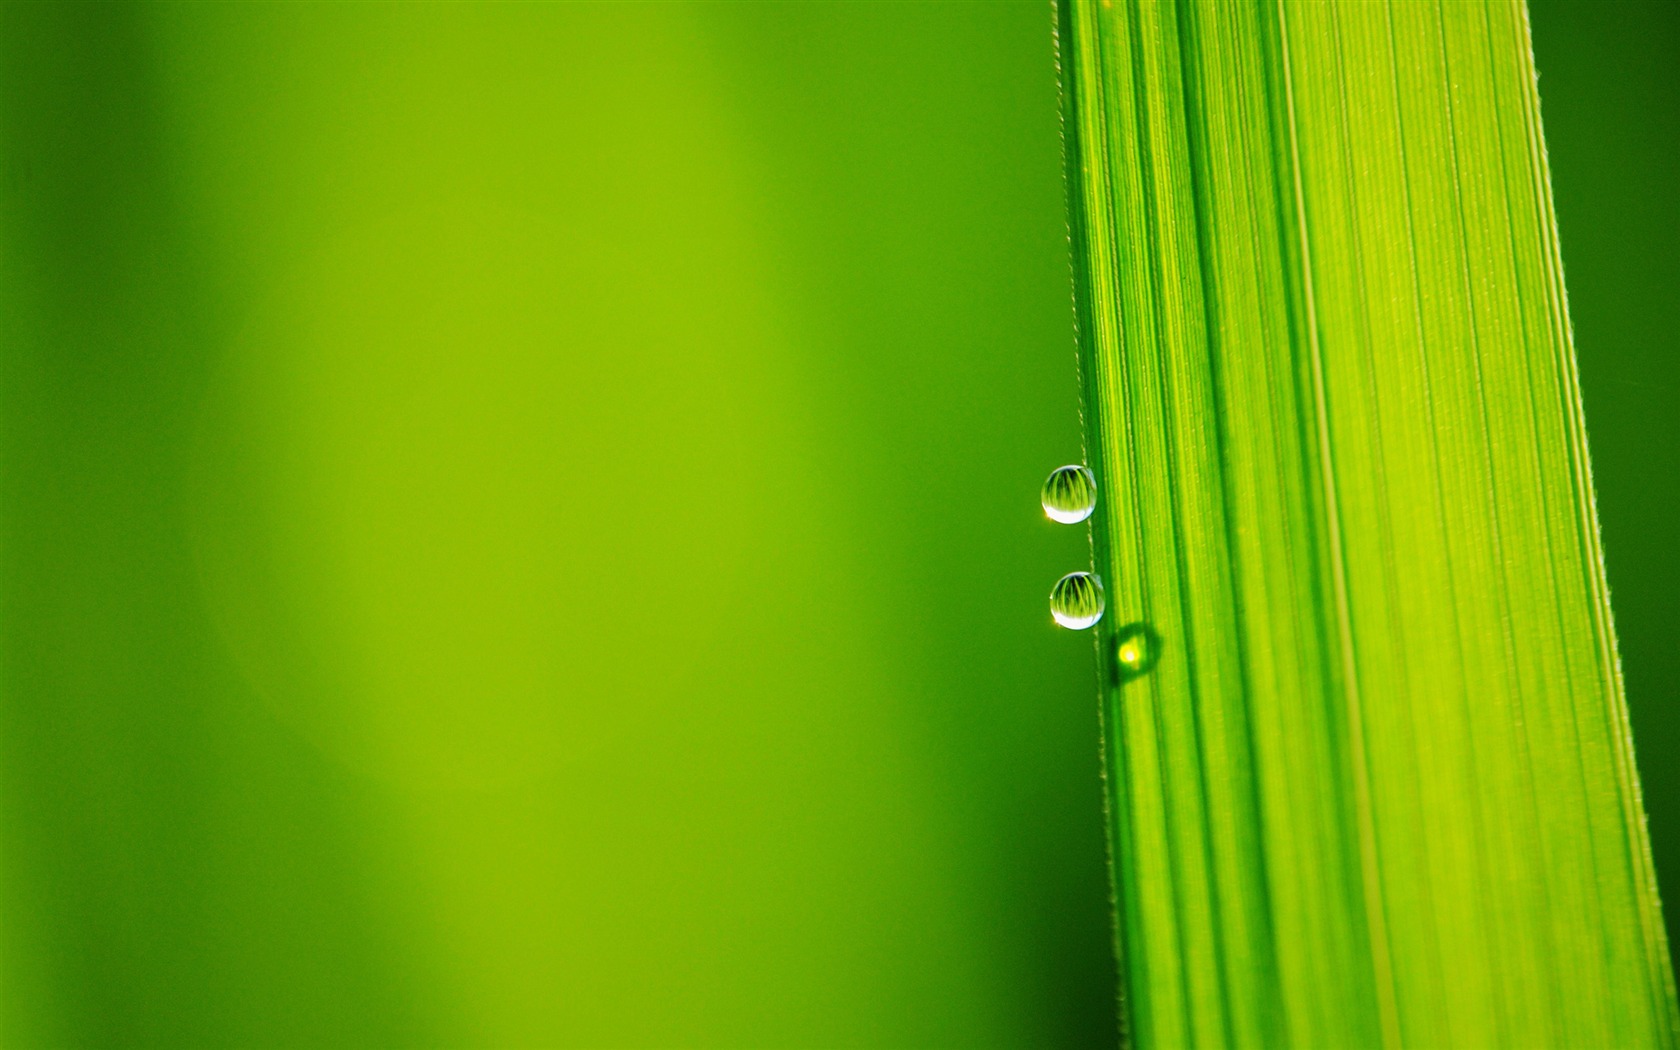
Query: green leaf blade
<point x="1380" y="788"/>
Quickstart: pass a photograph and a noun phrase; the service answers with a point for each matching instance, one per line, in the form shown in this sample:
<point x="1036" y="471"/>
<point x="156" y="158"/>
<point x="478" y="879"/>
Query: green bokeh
<point x="518" y="528"/>
<point x="1610" y="99"/>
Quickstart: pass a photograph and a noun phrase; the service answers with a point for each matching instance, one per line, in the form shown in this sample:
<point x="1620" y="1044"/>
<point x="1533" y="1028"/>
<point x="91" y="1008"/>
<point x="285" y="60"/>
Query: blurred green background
<point x="1610" y="99"/>
<point x="518" y="527"/>
<point x="518" y="523"/>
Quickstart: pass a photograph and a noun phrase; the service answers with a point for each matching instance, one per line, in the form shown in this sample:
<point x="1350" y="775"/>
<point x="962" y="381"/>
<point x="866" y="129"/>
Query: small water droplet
<point x="1077" y="600"/>
<point x="1070" y="494"/>
<point x="1137" y="648"/>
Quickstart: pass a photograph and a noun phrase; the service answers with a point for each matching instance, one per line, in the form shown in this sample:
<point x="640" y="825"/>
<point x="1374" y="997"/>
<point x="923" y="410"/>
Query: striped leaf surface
<point x="1379" y="789"/>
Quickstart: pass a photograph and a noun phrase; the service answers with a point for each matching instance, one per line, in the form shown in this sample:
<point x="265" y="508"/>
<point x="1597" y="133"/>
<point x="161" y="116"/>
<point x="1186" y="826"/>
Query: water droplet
<point x="1077" y="600"/>
<point x="1070" y="494"/>
<point x="1137" y="648"/>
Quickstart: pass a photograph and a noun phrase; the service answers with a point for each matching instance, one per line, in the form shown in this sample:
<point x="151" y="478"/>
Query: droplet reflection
<point x="1077" y="600"/>
<point x="1069" y="495"/>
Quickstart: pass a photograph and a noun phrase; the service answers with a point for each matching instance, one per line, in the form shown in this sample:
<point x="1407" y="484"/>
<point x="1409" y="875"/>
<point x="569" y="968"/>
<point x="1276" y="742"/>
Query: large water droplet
<point x="1070" y="494"/>
<point x="1137" y="648"/>
<point x="1077" y="600"/>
